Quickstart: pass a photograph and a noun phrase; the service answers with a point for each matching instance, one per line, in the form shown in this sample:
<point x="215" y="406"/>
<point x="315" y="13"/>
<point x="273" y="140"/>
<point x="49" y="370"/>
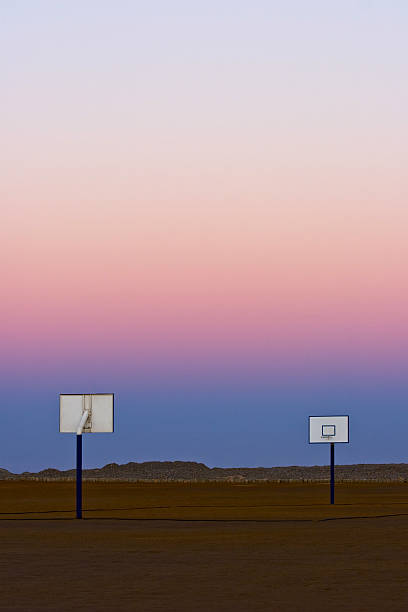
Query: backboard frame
<point x="329" y="439"/>
<point x="83" y="395"/>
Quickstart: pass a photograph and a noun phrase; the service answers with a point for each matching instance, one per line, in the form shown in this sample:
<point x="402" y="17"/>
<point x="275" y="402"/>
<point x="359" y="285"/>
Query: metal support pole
<point x="79" y="477"/>
<point x="332" y="472"/>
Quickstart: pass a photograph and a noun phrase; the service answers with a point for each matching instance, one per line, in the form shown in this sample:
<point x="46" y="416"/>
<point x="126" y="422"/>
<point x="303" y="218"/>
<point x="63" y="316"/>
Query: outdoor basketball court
<point x="203" y="547"/>
<point x="214" y="546"/>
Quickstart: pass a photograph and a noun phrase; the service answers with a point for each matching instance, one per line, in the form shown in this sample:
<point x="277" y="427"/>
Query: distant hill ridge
<point x="193" y="471"/>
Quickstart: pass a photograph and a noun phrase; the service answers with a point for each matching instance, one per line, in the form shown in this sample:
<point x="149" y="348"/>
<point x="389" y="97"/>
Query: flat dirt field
<point x="203" y="547"/>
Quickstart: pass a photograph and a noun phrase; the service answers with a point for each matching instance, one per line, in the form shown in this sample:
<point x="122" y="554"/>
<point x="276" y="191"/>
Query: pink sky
<point x="243" y="202"/>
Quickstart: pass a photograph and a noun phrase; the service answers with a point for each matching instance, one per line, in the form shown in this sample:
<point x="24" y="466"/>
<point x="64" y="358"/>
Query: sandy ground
<point x="203" y="547"/>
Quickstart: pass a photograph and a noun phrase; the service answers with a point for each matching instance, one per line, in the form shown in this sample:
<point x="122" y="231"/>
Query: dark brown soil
<point x="203" y="547"/>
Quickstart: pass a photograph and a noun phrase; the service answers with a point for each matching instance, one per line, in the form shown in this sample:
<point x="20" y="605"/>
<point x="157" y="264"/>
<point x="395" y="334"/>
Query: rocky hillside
<point x="190" y="470"/>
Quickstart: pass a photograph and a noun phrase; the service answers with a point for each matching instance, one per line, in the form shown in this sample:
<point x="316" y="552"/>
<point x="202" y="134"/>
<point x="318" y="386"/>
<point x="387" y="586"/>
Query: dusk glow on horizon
<point x="204" y="210"/>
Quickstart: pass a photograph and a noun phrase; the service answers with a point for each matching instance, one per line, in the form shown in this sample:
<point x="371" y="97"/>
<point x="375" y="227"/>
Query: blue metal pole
<point x="332" y="472"/>
<point x="79" y="477"/>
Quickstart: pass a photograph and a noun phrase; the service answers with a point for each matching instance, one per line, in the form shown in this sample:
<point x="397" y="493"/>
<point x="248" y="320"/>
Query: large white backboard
<point x="328" y="429"/>
<point x="99" y="407"/>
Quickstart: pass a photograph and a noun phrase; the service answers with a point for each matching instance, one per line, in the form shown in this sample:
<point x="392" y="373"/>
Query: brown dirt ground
<point x="203" y="547"/>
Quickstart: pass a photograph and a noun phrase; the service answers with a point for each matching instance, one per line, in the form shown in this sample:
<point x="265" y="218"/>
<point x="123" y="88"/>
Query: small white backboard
<point x="328" y="429"/>
<point x="86" y="413"/>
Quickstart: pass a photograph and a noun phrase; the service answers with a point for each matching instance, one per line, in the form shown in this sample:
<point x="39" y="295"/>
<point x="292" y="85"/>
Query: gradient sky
<point x="204" y="210"/>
